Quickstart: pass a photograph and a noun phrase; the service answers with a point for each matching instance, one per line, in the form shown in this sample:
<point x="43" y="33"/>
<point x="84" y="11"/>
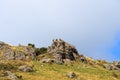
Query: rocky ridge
<point x="60" y="52"/>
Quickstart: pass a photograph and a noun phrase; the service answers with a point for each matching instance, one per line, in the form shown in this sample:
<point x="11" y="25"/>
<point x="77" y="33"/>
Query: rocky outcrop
<point x="9" y="52"/>
<point x="62" y="50"/>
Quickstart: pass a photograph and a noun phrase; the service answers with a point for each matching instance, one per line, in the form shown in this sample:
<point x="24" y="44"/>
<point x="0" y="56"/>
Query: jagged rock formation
<point x="62" y="50"/>
<point x="9" y="52"/>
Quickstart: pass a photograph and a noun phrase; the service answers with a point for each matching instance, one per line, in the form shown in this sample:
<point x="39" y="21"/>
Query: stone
<point x="57" y="61"/>
<point x="62" y="50"/>
<point x="44" y="60"/>
<point x="67" y="61"/>
<point x="25" y="68"/>
<point x="108" y="66"/>
<point x="83" y="59"/>
<point x="71" y="75"/>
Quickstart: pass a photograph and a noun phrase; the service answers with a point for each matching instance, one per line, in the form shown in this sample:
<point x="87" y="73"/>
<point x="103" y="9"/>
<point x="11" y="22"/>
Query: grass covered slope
<point x="83" y="72"/>
<point x="47" y="71"/>
<point x="52" y="63"/>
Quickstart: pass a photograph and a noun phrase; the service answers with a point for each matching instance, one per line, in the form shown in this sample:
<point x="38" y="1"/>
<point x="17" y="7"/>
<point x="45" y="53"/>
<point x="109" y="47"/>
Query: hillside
<point x="60" y="61"/>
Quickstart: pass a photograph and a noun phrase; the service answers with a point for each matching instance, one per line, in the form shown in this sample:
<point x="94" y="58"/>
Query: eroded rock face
<point x="16" y="52"/>
<point x="62" y="50"/>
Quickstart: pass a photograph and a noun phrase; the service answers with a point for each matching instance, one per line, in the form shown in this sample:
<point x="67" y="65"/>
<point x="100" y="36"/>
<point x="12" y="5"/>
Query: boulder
<point x="107" y="66"/>
<point x="71" y="75"/>
<point x="25" y="68"/>
<point x="62" y="50"/>
<point x="44" y="60"/>
<point x="83" y="59"/>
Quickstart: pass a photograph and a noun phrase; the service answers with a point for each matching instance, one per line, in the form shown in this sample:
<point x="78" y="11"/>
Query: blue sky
<point x="93" y="26"/>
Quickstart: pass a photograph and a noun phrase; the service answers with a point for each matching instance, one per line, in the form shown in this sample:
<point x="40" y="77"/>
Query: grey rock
<point x="108" y="66"/>
<point x="25" y="68"/>
<point x="47" y="60"/>
<point x="62" y="50"/>
<point x="57" y="61"/>
<point x="111" y="66"/>
<point x="8" y="53"/>
<point x="19" y="55"/>
<point x="83" y="59"/>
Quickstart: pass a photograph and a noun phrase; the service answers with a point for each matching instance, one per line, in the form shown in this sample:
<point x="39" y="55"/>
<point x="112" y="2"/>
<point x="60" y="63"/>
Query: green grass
<point x="43" y="71"/>
<point x="50" y="71"/>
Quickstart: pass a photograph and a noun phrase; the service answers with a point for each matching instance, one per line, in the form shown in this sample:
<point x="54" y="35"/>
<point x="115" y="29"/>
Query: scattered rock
<point x="71" y="75"/>
<point x="25" y="68"/>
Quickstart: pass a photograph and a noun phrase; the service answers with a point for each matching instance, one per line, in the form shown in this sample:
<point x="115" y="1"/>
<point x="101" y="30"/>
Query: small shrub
<point x="39" y="51"/>
<point x="32" y="45"/>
